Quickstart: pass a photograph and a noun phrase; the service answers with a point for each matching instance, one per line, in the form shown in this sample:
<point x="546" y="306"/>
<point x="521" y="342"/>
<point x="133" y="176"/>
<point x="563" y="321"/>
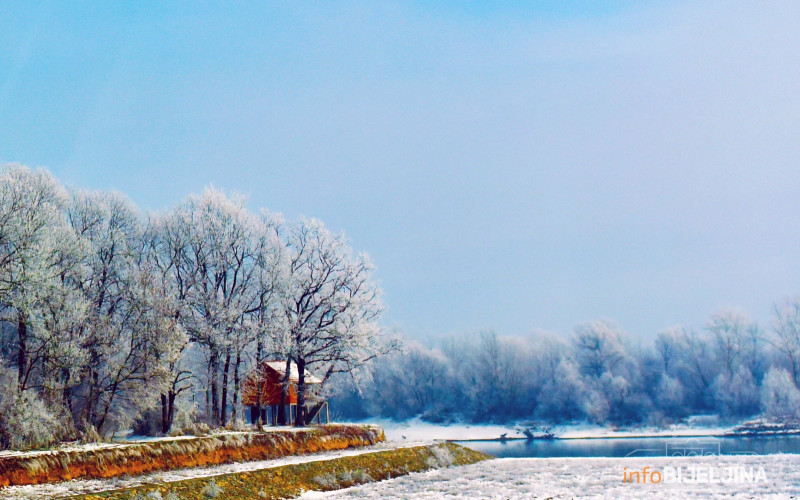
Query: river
<point x="655" y="446"/>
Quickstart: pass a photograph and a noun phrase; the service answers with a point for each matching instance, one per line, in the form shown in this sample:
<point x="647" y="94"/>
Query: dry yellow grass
<point x="141" y="458"/>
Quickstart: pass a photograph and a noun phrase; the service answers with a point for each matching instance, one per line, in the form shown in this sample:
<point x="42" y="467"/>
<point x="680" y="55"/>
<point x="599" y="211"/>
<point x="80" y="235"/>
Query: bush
<point x="212" y="490"/>
<point x="148" y="423"/>
<point x="780" y="397"/>
<point x="90" y="434"/>
<point x="197" y="429"/>
<point x="25" y="421"/>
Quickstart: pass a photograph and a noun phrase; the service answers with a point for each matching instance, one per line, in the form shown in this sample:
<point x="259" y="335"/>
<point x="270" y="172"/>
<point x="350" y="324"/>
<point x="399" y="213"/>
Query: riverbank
<point x="419" y="430"/>
<point x="292" y="480"/>
<point x="280" y="478"/>
<point x="139" y="458"/>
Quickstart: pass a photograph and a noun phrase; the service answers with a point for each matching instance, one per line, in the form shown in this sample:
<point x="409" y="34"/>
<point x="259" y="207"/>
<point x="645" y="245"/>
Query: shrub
<point x="780" y="397"/>
<point x="361" y="477"/>
<point x="25" y="421"/>
<point x="151" y="495"/>
<point x="212" y="490"/>
<point x="90" y="434"/>
<point x="327" y="480"/>
<point x="442" y="456"/>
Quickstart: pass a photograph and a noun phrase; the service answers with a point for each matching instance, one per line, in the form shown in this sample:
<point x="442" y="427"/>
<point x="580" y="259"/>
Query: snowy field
<point x="525" y="478"/>
<point x="417" y="429"/>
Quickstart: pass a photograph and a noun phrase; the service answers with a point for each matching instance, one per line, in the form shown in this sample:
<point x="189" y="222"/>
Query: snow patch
<point x="523" y="478"/>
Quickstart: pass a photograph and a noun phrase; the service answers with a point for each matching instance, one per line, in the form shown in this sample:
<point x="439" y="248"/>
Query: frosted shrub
<point x="326" y="480"/>
<point x="197" y="429"/>
<point x="780" y="397"/>
<point x="737" y="394"/>
<point x="90" y="435"/>
<point x="151" y="495"/>
<point x="212" y="490"/>
<point x="441" y="457"/>
<point x="185" y="414"/>
<point x="359" y="476"/>
<point x="25" y="422"/>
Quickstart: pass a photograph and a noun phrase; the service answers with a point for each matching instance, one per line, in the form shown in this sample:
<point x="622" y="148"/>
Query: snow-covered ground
<point x="120" y="442"/>
<point x="525" y="478"/>
<point x="417" y="429"/>
<point x="117" y="443"/>
<point x="79" y="486"/>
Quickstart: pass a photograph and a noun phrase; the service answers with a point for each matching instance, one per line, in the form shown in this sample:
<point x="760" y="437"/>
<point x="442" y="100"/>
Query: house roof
<point x="294" y="375"/>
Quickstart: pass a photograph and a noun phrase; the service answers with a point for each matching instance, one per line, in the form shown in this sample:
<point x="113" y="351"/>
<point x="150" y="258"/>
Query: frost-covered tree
<point x="736" y="341"/>
<point x="213" y="262"/>
<point x="688" y="357"/>
<point x="786" y="334"/>
<point x="33" y="241"/>
<point x="266" y="323"/>
<point x="670" y="396"/>
<point x="127" y="336"/>
<point x="411" y="382"/>
<point x="780" y="397"/>
<point x="563" y="397"/>
<point x="331" y="304"/>
<point x="598" y="348"/>
<point x="736" y="395"/>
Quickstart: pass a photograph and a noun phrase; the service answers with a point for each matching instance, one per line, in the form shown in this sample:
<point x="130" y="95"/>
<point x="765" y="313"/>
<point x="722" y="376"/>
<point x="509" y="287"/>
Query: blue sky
<point x="508" y="165"/>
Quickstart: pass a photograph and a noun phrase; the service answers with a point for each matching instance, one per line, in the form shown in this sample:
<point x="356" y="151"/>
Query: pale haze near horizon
<point x="516" y="168"/>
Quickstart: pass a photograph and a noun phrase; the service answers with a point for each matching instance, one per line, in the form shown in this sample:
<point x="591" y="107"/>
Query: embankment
<point x="141" y="458"/>
<point x="291" y="480"/>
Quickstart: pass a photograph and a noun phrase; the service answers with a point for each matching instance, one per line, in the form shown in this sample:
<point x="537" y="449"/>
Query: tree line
<point x="731" y="368"/>
<point x="108" y="314"/>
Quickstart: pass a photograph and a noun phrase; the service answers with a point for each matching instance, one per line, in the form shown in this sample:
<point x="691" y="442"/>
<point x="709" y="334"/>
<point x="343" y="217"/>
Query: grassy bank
<point x="291" y="480"/>
<point x="142" y="458"/>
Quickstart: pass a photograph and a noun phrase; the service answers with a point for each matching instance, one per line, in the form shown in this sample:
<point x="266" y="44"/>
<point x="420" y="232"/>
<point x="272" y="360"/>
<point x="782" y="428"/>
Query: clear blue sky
<point x="517" y="165"/>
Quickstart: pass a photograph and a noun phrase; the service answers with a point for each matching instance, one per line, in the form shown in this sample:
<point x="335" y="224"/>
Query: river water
<point x="622" y="447"/>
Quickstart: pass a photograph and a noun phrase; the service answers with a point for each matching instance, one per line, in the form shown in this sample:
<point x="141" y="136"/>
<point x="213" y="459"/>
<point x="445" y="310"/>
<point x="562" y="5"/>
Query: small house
<point x="268" y="379"/>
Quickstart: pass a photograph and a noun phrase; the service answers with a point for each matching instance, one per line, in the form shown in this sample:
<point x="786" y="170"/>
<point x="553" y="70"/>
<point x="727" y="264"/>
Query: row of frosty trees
<point x="108" y="313"/>
<point x="731" y="368"/>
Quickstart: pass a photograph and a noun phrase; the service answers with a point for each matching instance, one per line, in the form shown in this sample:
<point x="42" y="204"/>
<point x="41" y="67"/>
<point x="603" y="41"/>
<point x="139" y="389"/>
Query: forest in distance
<point x="112" y="319"/>
<point x="732" y="370"/>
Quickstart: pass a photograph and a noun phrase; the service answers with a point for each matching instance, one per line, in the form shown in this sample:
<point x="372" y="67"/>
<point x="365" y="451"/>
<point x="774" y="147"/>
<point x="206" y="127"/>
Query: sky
<point x="519" y="166"/>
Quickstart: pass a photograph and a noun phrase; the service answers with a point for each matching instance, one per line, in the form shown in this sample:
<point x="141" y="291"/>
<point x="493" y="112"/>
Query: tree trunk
<point x="164" y="410"/>
<point x="214" y="368"/>
<point x="259" y="351"/>
<point x="300" y="420"/>
<point x="224" y="405"/>
<point x="167" y="411"/>
<point x="284" y="392"/>
<point x="22" y="353"/>
<point x="94" y="378"/>
<point x="171" y="409"/>
<point x="236" y="386"/>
